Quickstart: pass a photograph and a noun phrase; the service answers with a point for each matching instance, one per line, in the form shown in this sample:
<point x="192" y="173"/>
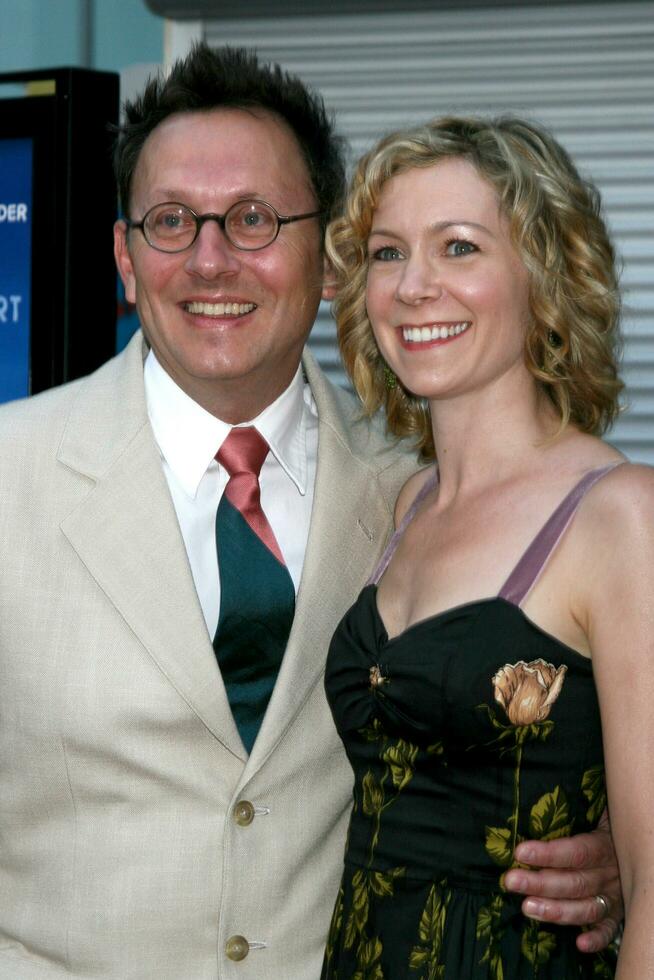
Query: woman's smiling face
<point x="447" y="293"/>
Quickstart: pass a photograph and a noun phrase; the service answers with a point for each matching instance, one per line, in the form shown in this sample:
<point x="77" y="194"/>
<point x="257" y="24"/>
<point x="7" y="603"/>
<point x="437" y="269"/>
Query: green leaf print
<point x="373" y="973"/>
<point x="350" y="930"/>
<point x="507" y="732"/>
<point x="369" y="885"/>
<point x="496" y="971"/>
<point x="430" y="931"/>
<point x="594" y="789"/>
<point x="494" y="720"/>
<point x="370" y="952"/>
<point x="512" y="735"/>
<point x="537" y="945"/>
<point x="484" y="922"/>
<point x="373" y="795"/>
<point x="490" y="930"/>
<point x="401" y="758"/>
<point x="550" y="816"/>
<point x="358" y="917"/>
<point x="498" y="845"/>
<point x="372" y="733"/>
<point x="382" y="882"/>
<point x="335" y="926"/>
<point x="418" y="958"/>
<point x="368" y="965"/>
<point x="542" y="731"/>
<point x="432" y="920"/>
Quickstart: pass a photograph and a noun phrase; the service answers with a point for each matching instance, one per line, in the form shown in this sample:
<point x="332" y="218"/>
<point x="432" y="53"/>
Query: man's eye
<point x="387" y="254"/>
<point x="169" y="222"/>
<point x="251" y="218"/>
<point x="459" y="246"/>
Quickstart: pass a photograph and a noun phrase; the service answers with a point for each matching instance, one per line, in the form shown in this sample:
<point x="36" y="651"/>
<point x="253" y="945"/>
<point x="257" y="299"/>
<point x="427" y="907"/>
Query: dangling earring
<point x="390" y="378"/>
<point x="551" y="354"/>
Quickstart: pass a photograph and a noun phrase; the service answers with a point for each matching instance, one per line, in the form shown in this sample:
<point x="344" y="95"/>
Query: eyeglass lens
<point x="172" y="227"/>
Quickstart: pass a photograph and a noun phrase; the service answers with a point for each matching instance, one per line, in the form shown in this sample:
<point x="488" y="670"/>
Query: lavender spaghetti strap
<point x="406" y="520"/>
<point x="528" y="570"/>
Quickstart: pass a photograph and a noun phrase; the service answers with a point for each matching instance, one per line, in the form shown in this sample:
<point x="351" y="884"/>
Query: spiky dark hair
<point x="215" y="78"/>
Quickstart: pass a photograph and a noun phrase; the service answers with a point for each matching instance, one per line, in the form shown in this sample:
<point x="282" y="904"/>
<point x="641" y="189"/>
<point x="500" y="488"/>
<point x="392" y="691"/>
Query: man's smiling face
<point x="227" y="325"/>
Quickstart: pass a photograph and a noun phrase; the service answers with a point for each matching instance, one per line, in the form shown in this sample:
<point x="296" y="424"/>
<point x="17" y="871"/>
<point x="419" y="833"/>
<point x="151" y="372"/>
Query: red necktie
<point x="257" y="597"/>
<point x="242" y="454"/>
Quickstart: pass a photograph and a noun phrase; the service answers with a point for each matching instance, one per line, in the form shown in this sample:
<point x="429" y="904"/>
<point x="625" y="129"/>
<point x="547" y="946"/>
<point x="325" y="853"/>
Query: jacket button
<point x="244" y="813"/>
<point x="237" y="948"/>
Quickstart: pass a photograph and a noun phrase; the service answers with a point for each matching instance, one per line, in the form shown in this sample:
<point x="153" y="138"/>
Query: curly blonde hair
<point x="572" y="343"/>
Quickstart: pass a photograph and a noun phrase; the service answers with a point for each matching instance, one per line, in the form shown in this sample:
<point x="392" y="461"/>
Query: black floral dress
<point x="469" y="732"/>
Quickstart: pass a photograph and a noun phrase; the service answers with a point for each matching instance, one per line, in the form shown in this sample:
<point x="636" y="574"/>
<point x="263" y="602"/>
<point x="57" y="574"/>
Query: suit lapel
<point x="350" y="524"/>
<point x="126" y="533"/>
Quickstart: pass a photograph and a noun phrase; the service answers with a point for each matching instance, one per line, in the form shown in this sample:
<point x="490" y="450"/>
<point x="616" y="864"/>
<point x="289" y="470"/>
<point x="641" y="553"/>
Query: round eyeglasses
<point x="248" y="225"/>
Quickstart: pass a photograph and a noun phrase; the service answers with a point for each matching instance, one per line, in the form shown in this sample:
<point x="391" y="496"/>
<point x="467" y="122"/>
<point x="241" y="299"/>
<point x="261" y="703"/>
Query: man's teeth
<point x="421" y="334"/>
<point x="220" y="309"/>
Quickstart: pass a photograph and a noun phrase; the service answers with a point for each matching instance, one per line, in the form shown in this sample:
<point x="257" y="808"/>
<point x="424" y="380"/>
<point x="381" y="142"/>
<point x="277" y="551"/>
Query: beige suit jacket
<point x="120" y="764"/>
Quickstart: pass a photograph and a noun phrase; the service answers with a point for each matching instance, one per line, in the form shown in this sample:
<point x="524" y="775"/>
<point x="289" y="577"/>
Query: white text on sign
<point x="9" y="308"/>
<point x="13" y="212"/>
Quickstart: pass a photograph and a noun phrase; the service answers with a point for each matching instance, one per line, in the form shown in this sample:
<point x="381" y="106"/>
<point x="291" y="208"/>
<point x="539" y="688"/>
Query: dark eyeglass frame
<point x="221" y="219"/>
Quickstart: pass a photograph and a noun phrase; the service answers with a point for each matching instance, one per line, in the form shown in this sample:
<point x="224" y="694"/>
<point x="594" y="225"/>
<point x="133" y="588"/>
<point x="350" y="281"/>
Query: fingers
<point x="567" y="886"/>
<point x="567" y="897"/>
<point x="602" y="928"/>
<point x="583" y="851"/>
<point x="583" y="912"/>
<point x="595" y="939"/>
<point x="598" y="938"/>
<point x="571" y="873"/>
<point x="572" y="912"/>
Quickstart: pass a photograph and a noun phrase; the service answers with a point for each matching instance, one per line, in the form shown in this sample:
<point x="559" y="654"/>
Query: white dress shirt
<point x="189" y="437"/>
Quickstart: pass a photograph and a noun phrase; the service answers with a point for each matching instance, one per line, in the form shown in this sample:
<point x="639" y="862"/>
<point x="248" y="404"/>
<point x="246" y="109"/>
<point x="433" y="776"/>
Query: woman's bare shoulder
<point x="620" y="507"/>
<point x="625" y="486"/>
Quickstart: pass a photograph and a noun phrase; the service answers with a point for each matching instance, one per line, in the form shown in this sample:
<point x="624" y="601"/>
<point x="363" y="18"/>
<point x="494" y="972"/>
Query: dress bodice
<point x="431" y="693"/>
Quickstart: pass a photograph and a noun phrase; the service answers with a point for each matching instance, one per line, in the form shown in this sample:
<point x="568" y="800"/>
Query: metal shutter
<point x="584" y="70"/>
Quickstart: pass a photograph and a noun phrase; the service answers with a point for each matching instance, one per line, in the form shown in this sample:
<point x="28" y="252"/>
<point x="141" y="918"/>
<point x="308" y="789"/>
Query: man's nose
<point x="211" y="254"/>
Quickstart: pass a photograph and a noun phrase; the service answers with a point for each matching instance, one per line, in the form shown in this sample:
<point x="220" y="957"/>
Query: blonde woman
<point x="502" y="656"/>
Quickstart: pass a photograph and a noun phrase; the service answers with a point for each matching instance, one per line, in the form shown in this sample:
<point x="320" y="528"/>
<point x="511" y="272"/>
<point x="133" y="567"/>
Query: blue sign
<point x="15" y="266"/>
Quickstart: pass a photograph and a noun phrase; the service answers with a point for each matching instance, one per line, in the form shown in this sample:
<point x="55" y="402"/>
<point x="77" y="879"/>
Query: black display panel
<point x="57" y="209"/>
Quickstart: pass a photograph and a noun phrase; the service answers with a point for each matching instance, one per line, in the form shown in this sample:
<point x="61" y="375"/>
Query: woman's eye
<point x="459" y="246"/>
<point x="386" y="254"/>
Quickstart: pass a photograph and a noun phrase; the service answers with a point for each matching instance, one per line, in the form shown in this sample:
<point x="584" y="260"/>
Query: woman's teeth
<point x="417" y="335"/>
<point x="220" y="309"/>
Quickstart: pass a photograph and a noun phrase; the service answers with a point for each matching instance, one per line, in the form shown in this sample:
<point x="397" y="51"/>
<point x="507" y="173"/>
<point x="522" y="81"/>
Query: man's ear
<point x="329" y="286"/>
<point x="124" y="261"/>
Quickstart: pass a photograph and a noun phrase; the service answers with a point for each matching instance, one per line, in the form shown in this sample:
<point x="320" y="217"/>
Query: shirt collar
<point x="189" y="437"/>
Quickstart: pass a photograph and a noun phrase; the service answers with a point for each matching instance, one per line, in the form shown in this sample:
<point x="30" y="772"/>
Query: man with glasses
<point x="187" y="526"/>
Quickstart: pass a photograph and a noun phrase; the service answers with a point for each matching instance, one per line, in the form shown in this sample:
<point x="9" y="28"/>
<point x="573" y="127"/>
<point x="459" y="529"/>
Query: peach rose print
<point x="527" y="691"/>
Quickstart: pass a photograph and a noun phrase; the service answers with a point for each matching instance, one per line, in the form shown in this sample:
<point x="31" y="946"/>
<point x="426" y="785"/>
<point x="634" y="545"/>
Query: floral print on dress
<point x="375" y="796"/>
<point x="459" y="753"/>
<point x="528" y="691"/>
